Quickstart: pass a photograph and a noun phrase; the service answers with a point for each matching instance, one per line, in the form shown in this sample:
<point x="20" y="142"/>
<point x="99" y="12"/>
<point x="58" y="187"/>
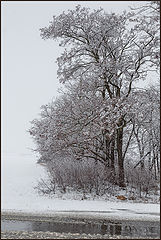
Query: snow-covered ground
<point x="21" y="173"/>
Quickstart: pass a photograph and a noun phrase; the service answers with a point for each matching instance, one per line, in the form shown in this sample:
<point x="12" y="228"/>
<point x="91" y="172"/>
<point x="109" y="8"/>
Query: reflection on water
<point x="124" y="228"/>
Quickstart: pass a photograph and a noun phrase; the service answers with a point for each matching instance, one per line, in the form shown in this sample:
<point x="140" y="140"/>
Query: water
<point x="123" y="228"/>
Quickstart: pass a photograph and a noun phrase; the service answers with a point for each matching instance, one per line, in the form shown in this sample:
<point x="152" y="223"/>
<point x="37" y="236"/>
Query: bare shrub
<point x="86" y="177"/>
<point x="140" y="179"/>
<point x="89" y="178"/>
<point x="45" y="186"/>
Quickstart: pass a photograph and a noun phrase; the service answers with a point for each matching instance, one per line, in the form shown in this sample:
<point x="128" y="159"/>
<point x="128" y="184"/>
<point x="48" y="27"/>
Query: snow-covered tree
<point x="147" y="127"/>
<point x="147" y="21"/>
<point x="103" y="49"/>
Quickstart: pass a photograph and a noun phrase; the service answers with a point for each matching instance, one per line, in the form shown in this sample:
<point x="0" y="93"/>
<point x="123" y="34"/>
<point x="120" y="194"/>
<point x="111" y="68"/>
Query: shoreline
<point x="75" y="225"/>
<point x="89" y="216"/>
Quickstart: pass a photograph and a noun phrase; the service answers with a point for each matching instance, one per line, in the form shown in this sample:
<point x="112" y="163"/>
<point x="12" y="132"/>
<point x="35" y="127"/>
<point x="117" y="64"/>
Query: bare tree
<point x="101" y="48"/>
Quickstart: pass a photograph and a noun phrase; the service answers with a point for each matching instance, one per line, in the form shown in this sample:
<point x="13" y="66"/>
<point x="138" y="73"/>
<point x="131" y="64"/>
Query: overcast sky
<point x="29" y="71"/>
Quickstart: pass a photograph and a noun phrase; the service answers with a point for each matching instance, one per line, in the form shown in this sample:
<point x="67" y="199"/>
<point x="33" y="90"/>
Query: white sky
<point x="29" y="71"/>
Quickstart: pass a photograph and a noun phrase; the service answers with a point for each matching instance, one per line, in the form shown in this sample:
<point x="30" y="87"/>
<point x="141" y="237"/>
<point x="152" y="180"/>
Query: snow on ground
<point x="21" y="173"/>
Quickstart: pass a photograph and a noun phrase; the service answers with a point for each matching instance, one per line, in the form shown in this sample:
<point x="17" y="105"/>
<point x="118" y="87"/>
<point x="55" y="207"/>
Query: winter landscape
<point x="81" y="136"/>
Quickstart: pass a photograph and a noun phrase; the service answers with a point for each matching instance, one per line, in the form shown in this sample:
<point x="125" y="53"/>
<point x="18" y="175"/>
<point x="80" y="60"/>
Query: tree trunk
<point x="112" y="156"/>
<point x="121" y="180"/>
<point x="158" y="167"/>
<point x="107" y="152"/>
<point x="142" y="161"/>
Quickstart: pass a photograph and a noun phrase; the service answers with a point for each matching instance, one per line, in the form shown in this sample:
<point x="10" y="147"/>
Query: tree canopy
<point x="101" y="115"/>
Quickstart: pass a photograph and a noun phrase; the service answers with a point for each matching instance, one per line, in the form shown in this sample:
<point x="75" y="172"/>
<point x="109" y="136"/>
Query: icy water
<point x="122" y="228"/>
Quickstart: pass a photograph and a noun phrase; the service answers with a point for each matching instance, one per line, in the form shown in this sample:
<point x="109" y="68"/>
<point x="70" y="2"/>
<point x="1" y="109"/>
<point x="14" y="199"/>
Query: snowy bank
<point x="21" y="173"/>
